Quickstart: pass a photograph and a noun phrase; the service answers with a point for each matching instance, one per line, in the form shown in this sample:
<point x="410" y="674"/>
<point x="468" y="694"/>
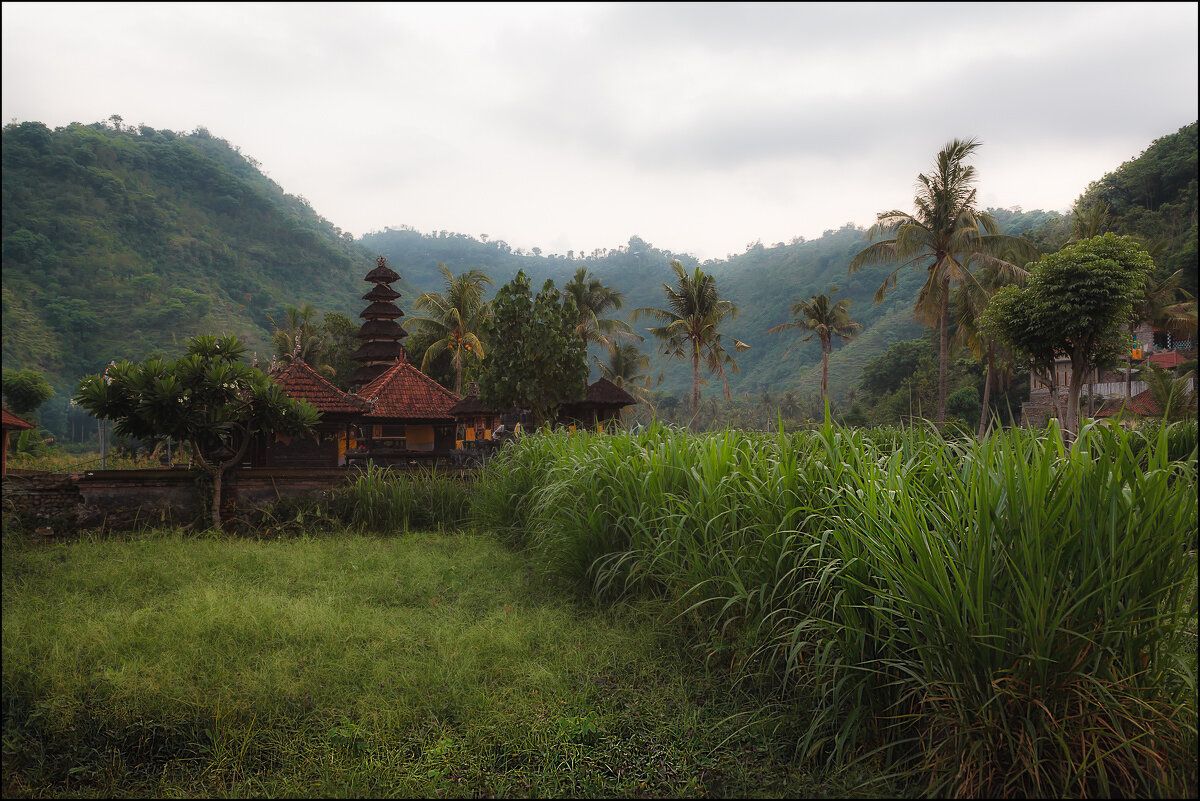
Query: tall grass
<point x="384" y="500"/>
<point x="1007" y="618"/>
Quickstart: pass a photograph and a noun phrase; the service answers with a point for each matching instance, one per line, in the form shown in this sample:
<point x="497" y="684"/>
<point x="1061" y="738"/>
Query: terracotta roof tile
<point x="300" y="381"/>
<point x="11" y="421"/>
<point x="1168" y="359"/>
<point x="1141" y="404"/>
<point x="403" y="391"/>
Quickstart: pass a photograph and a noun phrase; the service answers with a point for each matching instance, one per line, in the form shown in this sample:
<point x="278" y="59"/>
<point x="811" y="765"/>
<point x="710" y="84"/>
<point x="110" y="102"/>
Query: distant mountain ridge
<point x="119" y="242"/>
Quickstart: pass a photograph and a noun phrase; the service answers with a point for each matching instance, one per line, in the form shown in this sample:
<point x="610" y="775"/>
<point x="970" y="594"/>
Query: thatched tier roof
<point x="382" y="311"/>
<point x="382" y="274"/>
<point x="380" y="350"/>
<point x="381" y="329"/>
<point x="381" y="292"/>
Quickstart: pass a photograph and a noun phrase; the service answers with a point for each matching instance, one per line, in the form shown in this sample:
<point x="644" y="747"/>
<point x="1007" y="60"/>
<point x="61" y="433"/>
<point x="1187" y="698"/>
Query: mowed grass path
<point x="420" y="665"/>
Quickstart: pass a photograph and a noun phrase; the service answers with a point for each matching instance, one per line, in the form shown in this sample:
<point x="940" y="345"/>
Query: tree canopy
<point x="1077" y="302"/>
<point x="537" y="360"/>
<point x="208" y="398"/>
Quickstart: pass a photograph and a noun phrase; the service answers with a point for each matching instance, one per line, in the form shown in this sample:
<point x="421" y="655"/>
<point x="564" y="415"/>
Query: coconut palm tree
<point x="454" y="319"/>
<point x="825" y="320"/>
<point x="1172" y="394"/>
<point x="300" y="337"/>
<point x="945" y="229"/>
<point x="970" y="299"/>
<point x="593" y="299"/>
<point x="690" y="327"/>
<point x="628" y="368"/>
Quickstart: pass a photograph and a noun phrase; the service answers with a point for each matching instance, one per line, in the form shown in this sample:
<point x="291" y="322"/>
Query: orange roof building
<point x="409" y="415"/>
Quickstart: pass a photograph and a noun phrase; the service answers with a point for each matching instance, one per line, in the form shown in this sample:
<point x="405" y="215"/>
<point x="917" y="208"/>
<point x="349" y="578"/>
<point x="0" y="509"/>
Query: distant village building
<point x="1153" y="347"/>
<point x="396" y="414"/>
<point x="601" y="405"/>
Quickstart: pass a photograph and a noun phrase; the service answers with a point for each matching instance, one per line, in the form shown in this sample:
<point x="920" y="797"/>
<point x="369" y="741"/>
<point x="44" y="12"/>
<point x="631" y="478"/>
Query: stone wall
<point x="121" y="500"/>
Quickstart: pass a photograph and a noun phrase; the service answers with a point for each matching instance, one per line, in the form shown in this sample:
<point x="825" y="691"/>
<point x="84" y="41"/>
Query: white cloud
<point x="698" y="127"/>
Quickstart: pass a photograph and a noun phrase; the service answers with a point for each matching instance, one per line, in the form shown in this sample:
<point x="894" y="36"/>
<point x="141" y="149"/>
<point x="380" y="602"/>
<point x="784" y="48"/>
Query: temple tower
<point x="381" y="333"/>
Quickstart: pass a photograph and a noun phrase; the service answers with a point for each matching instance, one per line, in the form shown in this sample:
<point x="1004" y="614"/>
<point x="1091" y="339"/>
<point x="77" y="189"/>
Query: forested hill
<point x="121" y="241"/>
<point x="763" y="281"/>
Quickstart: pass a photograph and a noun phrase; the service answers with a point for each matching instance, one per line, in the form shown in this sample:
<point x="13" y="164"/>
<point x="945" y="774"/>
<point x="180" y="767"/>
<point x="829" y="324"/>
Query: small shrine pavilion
<point x="10" y="423"/>
<point x="601" y="405"/>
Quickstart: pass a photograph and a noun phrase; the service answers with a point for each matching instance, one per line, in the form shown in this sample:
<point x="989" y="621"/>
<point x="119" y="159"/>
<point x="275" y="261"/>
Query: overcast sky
<point x="700" y="128"/>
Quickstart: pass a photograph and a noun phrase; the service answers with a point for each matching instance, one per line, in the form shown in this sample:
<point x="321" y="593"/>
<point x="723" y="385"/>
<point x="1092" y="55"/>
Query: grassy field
<point x="889" y="611"/>
<point x="421" y="665"/>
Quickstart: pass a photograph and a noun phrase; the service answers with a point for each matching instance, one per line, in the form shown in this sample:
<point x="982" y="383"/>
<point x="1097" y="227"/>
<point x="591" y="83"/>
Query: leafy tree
<point x="690" y="326"/>
<point x="300" y="337"/>
<point x="455" y="320"/>
<point x="25" y="391"/>
<point x="945" y="230"/>
<point x="971" y="299"/>
<point x="340" y="336"/>
<point x="1077" y="301"/>
<point x="536" y="360"/>
<point x="825" y="320"/>
<point x="208" y="398"/>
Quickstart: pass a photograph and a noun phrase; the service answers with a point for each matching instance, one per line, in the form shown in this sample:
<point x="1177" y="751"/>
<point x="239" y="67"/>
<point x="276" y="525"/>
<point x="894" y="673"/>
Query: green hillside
<point x="121" y="242"/>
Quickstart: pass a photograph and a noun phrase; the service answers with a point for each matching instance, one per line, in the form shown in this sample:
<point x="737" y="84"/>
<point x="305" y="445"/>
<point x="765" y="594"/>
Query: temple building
<point x="381" y="333"/>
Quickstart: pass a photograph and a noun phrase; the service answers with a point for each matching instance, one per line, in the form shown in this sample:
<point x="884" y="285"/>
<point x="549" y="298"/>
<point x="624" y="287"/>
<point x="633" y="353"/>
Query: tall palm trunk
<point x="944" y="349"/>
<point x="695" y="386"/>
<point x="824" y="370"/>
<point x="987" y="392"/>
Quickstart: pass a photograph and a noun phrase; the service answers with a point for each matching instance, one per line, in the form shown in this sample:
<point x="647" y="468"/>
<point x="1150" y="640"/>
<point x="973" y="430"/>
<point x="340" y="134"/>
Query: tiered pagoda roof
<point x="381" y="330"/>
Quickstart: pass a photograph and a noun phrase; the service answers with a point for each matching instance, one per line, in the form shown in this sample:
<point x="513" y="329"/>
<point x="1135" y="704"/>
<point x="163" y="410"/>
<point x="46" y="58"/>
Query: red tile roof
<point x="403" y="391"/>
<point x="1141" y="404"/>
<point x="11" y="421"/>
<point x="1168" y="359"/>
<point x="302" y="382"/>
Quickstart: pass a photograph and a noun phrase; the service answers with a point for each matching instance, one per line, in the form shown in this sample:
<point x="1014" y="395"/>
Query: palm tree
<point x="1171" y="393"/>
<point x="300" y="337"/>
<point x="944" y="231"/>
<point x="825" y="320"/>
<point x="593" y="299"/>
<point x="690" y="325"/>
<point x="970" y="300"/>
<point x="628" y="368"/>
<point x="454" y="319"/>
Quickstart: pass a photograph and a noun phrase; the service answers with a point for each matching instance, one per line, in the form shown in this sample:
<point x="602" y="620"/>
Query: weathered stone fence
<point x="119" y="500"/>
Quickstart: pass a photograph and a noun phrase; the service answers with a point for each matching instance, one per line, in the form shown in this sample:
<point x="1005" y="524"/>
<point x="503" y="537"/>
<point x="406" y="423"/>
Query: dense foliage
<point x="1007" y="618"/>
<point x="536" y="360"/>
<point x="1077" y="302"/>
<point x="120" y="242"/>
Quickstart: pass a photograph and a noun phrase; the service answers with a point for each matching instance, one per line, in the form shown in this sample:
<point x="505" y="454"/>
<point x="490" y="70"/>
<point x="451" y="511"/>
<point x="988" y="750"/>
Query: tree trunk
<point x="987" y="395"/>
<point x="943" y="350"/>
<point x="219" y="469"/>
<point x="824" y="372"/>
<point x="1074" y="388"/>
<point x="695" y="387"/>
<point x="1092" y="393"/>
<point x="1129" y="373"/>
